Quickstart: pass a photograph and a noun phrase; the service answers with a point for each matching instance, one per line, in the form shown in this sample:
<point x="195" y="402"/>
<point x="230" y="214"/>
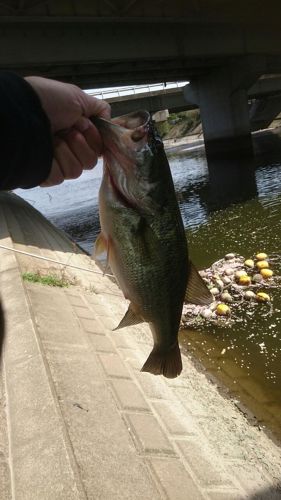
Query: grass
<point x="47" y="279"/>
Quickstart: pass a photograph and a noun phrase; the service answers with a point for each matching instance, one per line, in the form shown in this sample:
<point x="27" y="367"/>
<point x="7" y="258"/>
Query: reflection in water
<point x="229" y="182"/>
<point x="235" y="208"/>
<point x="246" y="356"/>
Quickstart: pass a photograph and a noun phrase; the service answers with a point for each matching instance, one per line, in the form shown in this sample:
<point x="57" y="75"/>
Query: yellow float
<point x="266" y="273"/>
<point x="262" y="264"/>
<point x="249" y="263"/>
<point x="261" y="256"/>
<point x="262" y="297"/>
<point x="244" y="280"/>
<point x="222" y="310"/>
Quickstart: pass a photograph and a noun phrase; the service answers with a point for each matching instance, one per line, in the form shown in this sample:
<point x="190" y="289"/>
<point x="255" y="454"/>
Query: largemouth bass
<point x="142" y="236"/>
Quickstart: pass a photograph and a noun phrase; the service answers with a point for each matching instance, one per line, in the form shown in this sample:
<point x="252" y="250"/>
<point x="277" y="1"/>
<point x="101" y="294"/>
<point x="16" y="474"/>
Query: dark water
<point x="238" y="211"/>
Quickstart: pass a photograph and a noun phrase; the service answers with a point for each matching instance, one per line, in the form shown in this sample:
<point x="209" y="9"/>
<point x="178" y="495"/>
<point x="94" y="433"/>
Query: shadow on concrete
<point x="270" y="493"/>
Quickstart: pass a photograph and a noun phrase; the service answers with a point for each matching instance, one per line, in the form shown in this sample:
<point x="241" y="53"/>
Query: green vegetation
<point x="179" y="124"/>
<point x="47" y="279"/>
<point x="163" y="128"/>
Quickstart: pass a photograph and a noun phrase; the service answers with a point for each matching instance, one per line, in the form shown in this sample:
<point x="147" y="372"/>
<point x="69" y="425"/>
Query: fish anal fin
<point x="130" y="319"/>
<point x="167" y="363"/>
<point x="197" y="291"/>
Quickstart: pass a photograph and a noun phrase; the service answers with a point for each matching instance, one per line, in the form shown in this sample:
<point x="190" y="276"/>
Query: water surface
<point x="238" y="211"/>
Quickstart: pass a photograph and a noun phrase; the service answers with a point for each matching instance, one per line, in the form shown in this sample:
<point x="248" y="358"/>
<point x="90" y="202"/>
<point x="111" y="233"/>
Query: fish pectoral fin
<point x="130" y="318"/>
<point x="101" y="252"/>
<point x="167" y="363"/>
<point x="197" y="291"/>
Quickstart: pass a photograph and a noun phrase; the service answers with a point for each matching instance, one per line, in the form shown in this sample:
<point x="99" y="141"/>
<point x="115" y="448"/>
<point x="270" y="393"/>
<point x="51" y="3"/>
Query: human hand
<point x="77" y="142"/>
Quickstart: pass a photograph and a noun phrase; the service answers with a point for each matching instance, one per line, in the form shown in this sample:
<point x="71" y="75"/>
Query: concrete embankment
<point x="264" y="141"/>
<point x="78" y="418"/>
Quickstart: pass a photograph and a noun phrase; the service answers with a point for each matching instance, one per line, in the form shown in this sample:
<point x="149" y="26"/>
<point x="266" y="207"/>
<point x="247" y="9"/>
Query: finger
<point x="103" y="109"/>
<point x="55" y="176"/>
<point x="70" y="166"/>
<point x="96" y="107"/>
<point x="90" y="133"/>
<point x="82" y="124"/>
<point x="78" y="145"/>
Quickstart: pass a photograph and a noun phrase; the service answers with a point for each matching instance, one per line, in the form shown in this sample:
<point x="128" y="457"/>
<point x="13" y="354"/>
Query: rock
<point x="226" y="280"/>
<point x="203" y="274"/>
<point x="228" y="271"/>
<point x="213" y="306"/>
<point x="226" y="297"/>
<point x="220" y="284"/>
<point x="230" y="256"/>
<point x="257" y="278"/>
<point x="249" y="295"/>
<point x="206" y="313"/>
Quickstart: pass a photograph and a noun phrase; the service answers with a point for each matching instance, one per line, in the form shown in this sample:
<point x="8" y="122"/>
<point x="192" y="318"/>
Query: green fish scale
<point x="152" y="256"/>
<point x="148" y="249"/>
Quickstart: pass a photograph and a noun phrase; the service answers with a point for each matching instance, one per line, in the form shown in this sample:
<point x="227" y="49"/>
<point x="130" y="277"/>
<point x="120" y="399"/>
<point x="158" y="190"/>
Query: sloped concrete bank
<point x="78" y="418"/>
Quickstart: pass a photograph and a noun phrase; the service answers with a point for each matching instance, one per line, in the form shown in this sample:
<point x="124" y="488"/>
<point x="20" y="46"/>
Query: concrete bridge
<point x="264" y="97"/>
<point x="222" y="48"/>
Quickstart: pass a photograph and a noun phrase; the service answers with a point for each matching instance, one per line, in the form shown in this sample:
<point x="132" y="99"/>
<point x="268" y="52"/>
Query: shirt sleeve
<point x="26" y="149"/>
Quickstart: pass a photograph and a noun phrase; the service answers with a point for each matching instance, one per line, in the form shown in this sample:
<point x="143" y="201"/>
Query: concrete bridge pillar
<point x="222" y="98"/>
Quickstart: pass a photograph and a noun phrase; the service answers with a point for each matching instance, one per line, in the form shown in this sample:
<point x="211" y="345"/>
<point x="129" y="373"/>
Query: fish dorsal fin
<point x="197" y="291"/>
<point x="101" y="252"/>
<point x="130" y="318"/>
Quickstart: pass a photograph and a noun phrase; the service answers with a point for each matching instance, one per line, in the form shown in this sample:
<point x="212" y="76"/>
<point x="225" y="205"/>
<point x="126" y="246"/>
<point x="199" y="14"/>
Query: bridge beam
<point x="223" y="101"/>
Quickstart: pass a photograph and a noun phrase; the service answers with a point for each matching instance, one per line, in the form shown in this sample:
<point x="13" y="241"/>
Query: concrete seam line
<point x="66" y="437"/>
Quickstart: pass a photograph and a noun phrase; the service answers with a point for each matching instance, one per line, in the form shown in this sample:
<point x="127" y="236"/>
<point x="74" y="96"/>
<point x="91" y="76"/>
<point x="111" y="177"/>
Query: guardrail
<point x="108" y="93"/>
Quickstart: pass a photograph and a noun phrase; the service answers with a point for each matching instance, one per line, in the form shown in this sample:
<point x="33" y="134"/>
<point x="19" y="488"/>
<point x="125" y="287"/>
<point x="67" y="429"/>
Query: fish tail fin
<point x="167" y="363"/>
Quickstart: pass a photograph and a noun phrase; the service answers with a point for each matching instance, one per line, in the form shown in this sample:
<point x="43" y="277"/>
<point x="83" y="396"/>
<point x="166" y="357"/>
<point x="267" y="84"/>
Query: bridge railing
<point x="108" y="93"/>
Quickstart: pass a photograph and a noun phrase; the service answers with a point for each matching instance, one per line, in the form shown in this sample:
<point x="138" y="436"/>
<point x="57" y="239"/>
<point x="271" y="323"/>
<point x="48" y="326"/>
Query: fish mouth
<point x="128" y="150"/>
<point x="134" y="122"/>
<point x="123" y="137"/>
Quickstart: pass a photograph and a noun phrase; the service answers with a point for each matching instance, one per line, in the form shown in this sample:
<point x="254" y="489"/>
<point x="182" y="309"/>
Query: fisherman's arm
<point x="25" y="138"/>
<point x="46" y="135"/>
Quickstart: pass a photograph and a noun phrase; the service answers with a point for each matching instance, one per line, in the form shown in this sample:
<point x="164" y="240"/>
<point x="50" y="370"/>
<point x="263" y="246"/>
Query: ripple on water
<point x="250" y="364"/>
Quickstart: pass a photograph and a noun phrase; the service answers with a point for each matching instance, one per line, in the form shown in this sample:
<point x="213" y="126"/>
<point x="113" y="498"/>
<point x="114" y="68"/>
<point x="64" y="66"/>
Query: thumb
<point x="96" y="107"/>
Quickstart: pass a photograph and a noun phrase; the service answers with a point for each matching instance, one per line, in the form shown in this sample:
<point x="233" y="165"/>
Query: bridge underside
<point x="122" y="42"/>
<point x="109" y="49"/>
